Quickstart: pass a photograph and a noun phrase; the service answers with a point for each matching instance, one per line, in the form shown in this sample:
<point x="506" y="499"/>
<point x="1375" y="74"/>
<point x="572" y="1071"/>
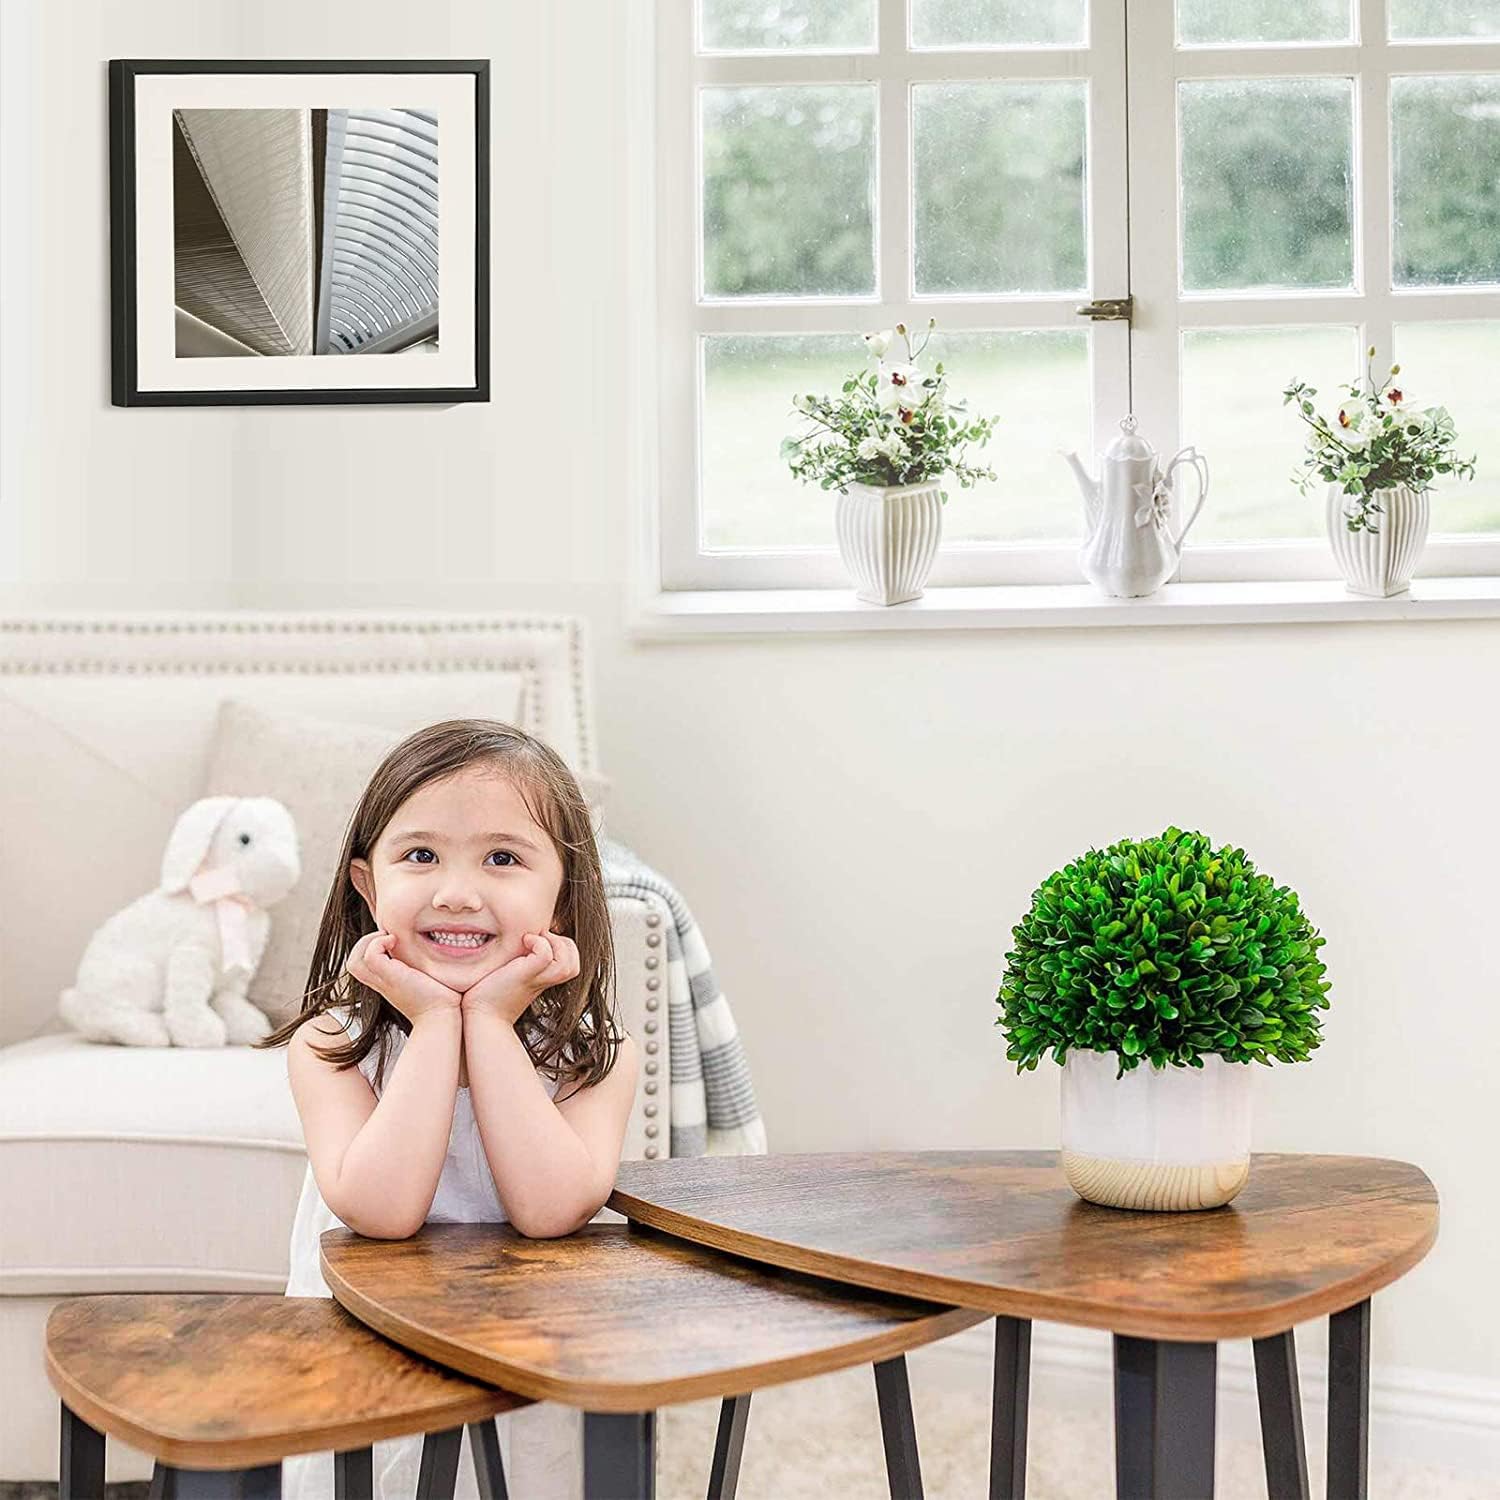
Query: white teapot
<point x="1130" y="550"/>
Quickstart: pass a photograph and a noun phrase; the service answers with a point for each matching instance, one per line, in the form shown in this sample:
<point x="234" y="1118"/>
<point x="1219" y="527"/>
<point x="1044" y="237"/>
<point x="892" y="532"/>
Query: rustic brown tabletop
<point x="1002" y="1232"/>
<point x="618" y="1321"/>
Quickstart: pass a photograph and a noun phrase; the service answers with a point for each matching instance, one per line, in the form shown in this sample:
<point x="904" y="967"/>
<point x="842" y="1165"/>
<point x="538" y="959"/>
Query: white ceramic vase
<point x="1159" y="1138"/>
<point x="888" y="536"/>
<point x="1379" y="563"/>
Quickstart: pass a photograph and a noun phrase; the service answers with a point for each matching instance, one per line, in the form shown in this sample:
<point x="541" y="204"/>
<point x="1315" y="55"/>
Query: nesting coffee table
<point x="1001" y="1232"/>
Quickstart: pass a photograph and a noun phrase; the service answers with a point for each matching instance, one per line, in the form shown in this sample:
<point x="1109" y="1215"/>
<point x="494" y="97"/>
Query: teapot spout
<point x="1090" y="487"/>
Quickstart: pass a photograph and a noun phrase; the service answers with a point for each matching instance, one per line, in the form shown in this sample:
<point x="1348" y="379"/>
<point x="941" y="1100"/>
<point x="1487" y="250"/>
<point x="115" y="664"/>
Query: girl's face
<point x="460" y="875"/>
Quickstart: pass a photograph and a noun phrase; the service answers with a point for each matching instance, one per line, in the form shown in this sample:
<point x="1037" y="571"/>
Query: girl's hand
<point x="545" y="959"/>
<point x="411" y="991"/>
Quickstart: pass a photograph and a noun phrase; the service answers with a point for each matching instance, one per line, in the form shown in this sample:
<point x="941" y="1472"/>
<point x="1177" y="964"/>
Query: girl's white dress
<point x="540" y="1444"/>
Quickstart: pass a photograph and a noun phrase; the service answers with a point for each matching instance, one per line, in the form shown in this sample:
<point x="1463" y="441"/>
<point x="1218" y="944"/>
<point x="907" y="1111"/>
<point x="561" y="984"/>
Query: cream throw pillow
<point x="318" y="768"/>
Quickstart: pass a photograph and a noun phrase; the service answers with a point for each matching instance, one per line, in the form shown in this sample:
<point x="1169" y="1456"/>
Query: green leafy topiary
<point x="1166" y="950"/>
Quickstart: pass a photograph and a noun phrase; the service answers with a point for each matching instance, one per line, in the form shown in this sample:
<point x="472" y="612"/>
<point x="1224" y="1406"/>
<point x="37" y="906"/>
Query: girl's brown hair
<point x="569" y="1032"/>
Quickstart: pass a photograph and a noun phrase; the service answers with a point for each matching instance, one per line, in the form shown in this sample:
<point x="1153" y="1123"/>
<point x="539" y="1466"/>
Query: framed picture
<point x="279" y="232"/>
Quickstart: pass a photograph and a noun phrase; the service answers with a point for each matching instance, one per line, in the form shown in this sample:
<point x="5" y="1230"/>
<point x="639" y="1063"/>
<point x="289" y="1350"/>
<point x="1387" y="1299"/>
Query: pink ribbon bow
<point x="221" y="889"/>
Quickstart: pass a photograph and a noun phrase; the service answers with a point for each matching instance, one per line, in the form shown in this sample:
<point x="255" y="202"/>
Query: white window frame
<point x="671" y="317"/>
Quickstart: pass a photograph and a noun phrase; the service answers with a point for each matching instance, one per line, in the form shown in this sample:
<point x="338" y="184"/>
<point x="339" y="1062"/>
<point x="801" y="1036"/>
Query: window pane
<point x="1267" y="185"/>
<point x="793" y="25"/>
<point x="999" y="187"/>
<point x="1453" y="365"/>
<point x="1429" y="19"/>
<point x="1232" y="412"/>
<point x="749" y="498"/>
<point x="1446" y="140"/>
<point x="1037" y="383"/>
<point x="999" y="23"/>
<point x="789" y="191"/>
<point x="1202" y="22"/>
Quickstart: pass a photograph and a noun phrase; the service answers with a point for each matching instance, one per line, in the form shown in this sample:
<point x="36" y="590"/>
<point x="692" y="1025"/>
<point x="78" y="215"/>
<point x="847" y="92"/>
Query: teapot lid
<point x="1129" y="444"/>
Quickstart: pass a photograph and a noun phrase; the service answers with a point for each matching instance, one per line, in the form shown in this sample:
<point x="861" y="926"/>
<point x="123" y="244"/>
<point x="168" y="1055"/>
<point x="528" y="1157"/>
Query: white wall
<point x="857" y="821"/>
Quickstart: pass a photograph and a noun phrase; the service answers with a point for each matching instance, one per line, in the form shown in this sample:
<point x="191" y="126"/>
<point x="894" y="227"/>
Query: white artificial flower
<point x="878" y="343"/>
<point x="893" y="447"/>
<point x="1352" y="424"/>
<point x="900" y="385"/>
<point x="1406" y="408"/>
<point x="869" y="448"/>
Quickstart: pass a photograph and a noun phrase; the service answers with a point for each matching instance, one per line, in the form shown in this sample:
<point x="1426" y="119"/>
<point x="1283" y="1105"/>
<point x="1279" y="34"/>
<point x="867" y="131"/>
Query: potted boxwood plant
<point x="1155" y="971"/>
<point x="885" y="443"/>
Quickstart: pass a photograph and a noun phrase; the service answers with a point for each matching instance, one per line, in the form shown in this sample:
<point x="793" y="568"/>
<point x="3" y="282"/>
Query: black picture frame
<point x="124" y="311"/>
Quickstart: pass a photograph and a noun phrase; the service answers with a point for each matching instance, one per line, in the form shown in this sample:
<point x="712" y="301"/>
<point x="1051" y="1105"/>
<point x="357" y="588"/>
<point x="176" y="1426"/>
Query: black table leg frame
<point x="1349" y="1403"/>
<point x="898" y="1429"/>
<point x="81" y="1470"/>
<point x="1165" y="1412"/>
<point x="1281" y="1434"/>
<point x="1011" y="1398"/>
<point x="724" y="1477"/>
<point x="619" y="1455"/>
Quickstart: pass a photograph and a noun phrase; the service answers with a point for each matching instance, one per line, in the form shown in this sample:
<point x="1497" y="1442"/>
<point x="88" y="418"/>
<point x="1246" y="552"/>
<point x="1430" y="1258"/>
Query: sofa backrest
<point x="106" y="726"/>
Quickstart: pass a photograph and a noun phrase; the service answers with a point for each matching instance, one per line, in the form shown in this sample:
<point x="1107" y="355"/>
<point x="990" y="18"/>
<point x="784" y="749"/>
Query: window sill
<point x="673" y="614"/>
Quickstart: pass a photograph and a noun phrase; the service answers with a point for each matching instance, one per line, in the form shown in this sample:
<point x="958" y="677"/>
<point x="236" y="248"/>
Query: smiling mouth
<point x="455" y="942"/>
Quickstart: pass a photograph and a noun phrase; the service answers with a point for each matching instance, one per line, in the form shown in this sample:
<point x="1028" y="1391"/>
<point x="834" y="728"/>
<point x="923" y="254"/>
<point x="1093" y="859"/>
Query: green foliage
<point x="888" y="426"/>
<point x="1378" y="439"/>
<point x="1163" y="950"/>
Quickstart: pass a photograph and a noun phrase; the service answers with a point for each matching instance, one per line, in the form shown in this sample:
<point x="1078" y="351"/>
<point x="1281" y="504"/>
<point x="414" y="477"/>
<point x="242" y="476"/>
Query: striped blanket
<point x="713" y="1109"/>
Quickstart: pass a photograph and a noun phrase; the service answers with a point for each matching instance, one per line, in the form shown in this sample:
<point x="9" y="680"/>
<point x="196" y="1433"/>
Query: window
<point x="1274" y="196"/>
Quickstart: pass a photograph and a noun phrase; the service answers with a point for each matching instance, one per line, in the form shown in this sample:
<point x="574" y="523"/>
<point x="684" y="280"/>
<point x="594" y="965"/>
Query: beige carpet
<point x="820" y="1440"/>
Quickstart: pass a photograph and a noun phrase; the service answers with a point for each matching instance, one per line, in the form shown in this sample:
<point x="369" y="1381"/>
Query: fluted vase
<point x="888" y="536"/>
<point x="1379" y="563"/>
<point x="1169" y="1138"/>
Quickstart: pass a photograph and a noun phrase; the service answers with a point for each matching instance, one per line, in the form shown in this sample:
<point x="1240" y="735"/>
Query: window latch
<point x="1109" y="310"/>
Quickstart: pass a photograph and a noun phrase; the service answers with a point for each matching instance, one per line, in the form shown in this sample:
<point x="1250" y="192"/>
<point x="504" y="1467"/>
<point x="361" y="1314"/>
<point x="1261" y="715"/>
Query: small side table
<point x="219" y="1389"/>
<point x="1002" y="1232"/>
<point x="618" y="1321"/>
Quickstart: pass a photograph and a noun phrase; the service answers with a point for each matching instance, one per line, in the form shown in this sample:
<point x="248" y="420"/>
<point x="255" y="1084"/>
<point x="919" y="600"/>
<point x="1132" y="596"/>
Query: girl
<point x="456" y="1058"/>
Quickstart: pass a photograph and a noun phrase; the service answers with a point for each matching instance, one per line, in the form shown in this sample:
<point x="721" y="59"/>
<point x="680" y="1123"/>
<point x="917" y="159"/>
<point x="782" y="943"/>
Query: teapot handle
<point x="1191" y="456"/>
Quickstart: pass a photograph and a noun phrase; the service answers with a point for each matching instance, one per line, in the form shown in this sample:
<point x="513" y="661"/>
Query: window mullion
<point x="1151" y="116"/>
<point x="1373" y="218"/>
<point x="893" y="158"/>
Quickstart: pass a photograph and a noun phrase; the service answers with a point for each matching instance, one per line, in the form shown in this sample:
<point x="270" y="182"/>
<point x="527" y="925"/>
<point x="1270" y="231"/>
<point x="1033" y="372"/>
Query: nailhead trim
<point x="650" y="1153"/>
<point x="653" y="939"/>
<point x="652" y="1131"/>
<point x="651" y="962"/>
<point x="653" y="983"/>
<point x="651" y="1087"/>
<point x="653" y="919"/>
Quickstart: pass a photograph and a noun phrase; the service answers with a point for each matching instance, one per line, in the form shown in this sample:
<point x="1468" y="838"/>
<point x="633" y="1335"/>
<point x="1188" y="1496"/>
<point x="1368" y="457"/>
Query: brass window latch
<point x="1108" y="310"/>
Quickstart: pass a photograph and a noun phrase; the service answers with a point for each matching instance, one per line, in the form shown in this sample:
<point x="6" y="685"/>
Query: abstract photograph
<point x="305" y="231"/>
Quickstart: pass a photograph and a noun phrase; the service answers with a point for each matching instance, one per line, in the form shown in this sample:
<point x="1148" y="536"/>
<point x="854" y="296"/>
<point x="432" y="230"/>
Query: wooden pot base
<point x="1147" y="1185"/>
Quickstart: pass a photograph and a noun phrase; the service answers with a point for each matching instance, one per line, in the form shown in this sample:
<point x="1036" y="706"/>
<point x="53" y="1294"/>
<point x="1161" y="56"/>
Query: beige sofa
<point x="141" y="1169"/>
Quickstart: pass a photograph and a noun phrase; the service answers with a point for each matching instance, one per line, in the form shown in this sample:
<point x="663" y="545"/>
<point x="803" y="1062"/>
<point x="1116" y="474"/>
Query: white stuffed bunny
<point x="172" y="968"/>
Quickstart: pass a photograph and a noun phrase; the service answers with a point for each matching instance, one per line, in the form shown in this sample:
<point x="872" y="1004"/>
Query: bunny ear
<point x="193" y="833"/>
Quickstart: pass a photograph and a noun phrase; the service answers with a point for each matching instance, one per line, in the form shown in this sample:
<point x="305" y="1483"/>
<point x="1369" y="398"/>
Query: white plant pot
<point x="1380" y="563"/>
<point x="1158" y="1138"/>
<point x="888" y="537"/>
